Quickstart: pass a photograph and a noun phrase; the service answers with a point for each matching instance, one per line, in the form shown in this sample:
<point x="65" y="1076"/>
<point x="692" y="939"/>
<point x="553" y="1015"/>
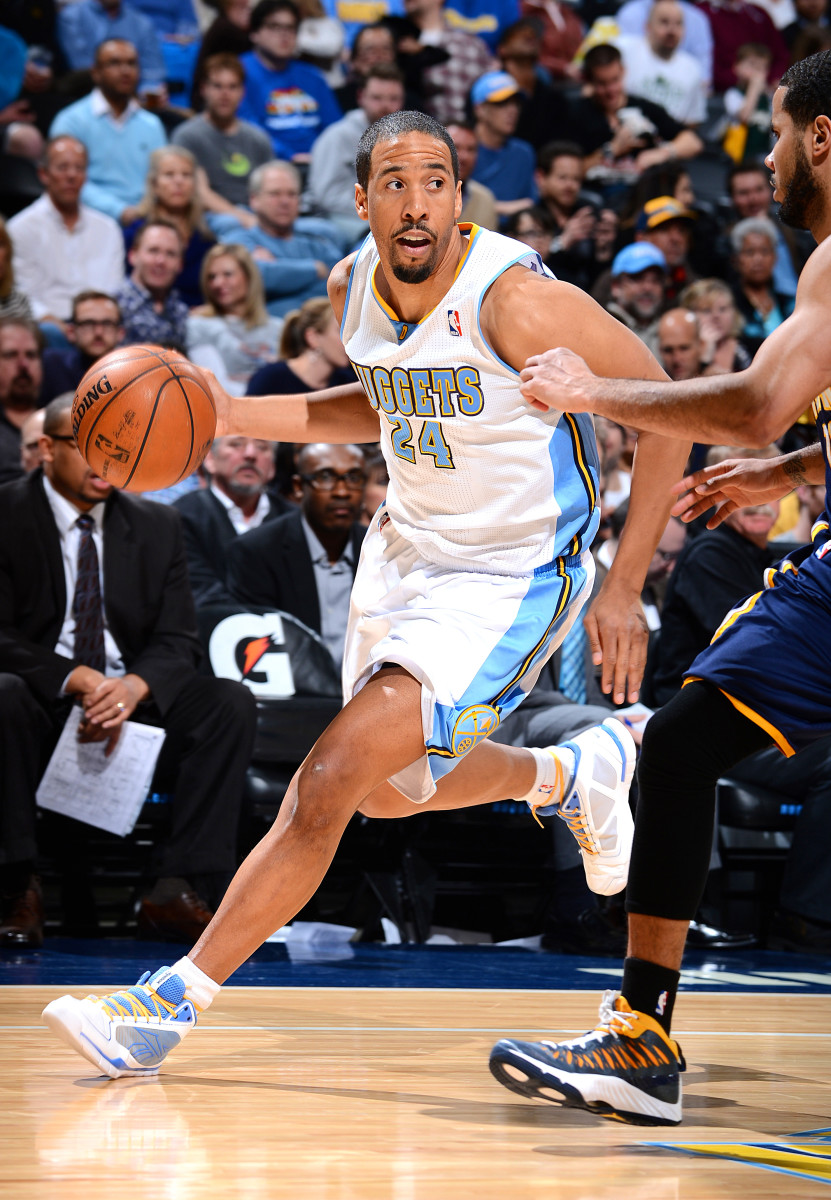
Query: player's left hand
<point x="557" y="379"/>
<point x="618" y="637"/>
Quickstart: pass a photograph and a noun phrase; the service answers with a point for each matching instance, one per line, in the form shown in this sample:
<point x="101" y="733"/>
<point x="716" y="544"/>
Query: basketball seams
<point x="180" y="370"/>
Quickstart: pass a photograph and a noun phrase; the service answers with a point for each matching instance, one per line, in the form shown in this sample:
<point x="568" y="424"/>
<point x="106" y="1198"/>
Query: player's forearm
<point x="340" y="415"/>
<point x="716" y="410"/>
<point x="802" y="467"/>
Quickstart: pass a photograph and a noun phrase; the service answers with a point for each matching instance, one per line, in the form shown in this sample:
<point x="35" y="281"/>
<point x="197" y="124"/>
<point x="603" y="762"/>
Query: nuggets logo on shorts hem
<point x="474" y="724"/>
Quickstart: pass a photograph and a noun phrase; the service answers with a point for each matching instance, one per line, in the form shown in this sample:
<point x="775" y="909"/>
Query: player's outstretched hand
<point x="729" y="485"/>
<point x="618" y="637"/>
<point x="557" y="379"/>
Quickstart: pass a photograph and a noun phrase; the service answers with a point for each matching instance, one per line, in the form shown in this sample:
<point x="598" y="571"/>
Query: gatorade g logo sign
<point x="101" y="388"/>
<point x="252" y="649"/>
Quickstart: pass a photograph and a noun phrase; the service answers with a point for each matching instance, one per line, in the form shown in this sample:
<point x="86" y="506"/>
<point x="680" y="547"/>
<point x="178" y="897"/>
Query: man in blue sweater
<point x="294" y="254"/>
<point x="290" y="100"/>
<point x="118" y="133"/>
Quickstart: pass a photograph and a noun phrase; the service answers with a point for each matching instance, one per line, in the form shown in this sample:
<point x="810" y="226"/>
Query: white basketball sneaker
<point x="128" y="1032"/>
<point x="595" y="804"/>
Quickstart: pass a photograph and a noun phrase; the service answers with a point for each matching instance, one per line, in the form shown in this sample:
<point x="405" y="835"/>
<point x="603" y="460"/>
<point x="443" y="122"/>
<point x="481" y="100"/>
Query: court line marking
<point x="500" y="1029"/>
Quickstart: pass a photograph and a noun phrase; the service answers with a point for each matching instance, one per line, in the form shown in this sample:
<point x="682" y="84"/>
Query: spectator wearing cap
<point x="505" y="164"/>
<point x="638" y="282"/>
<point x="619" y="132"/>
<point x="666" y="223"/>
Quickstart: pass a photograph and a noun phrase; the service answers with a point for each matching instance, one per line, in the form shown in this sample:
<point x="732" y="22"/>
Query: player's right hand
<point x="727" y="486"/>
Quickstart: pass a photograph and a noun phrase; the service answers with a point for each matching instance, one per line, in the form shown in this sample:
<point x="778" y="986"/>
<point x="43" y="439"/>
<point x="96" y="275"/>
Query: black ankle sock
<point x="650" y="989"/>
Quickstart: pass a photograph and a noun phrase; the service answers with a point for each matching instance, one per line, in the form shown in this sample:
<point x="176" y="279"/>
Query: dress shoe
<point x="21" y="918"/>
<point x="790" y="931"/>
<point x="175" y="917"/>
<point x="705" y="937"/>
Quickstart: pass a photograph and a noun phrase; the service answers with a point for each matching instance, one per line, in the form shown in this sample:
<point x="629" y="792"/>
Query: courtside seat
<point x="755" y="828"/>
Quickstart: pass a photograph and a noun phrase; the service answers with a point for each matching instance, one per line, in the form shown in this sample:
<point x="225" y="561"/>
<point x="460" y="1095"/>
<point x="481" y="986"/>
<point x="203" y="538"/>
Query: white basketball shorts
<point x="476" y="642"/>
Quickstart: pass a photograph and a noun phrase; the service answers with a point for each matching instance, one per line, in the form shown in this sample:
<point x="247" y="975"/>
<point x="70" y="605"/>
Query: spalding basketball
<point x="143" y="418"/>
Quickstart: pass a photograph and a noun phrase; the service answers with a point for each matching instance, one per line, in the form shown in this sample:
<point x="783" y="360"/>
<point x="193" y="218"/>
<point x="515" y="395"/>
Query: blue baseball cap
<point x="640" y="256"/>
<point x="494" y="86"/>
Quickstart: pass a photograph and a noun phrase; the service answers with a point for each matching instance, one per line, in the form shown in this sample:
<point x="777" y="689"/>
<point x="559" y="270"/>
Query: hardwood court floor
<point x="363" y="1094"/>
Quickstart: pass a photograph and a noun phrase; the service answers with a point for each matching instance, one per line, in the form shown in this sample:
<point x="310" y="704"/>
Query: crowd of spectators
<point x="183" y="174"/>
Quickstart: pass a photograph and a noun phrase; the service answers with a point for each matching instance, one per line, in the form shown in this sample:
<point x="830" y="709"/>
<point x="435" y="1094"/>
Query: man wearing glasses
<point x="61" y="246"/>
<point x="304" y="563"/>
<point x="94" y="329"/>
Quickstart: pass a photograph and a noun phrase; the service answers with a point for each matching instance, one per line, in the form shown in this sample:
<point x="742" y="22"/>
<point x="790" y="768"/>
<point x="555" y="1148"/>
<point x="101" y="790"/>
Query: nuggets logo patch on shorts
<point x="474" y="724"/>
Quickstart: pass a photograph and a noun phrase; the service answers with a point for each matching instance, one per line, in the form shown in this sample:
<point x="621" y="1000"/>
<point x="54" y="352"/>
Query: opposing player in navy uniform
<point x="765" y="677"/>
<point x="472" y="572"/>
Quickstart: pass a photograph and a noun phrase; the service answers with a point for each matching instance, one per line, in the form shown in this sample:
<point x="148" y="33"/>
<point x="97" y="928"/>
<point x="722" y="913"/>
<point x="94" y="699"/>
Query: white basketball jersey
<point x="479" y="480"/>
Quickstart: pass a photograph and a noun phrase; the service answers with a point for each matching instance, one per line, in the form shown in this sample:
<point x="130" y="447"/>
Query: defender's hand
<point x="557" y="379"/>
<point x="729" y="485"/>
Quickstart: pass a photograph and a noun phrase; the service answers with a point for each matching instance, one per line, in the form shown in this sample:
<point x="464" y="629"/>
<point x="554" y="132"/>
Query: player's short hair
<point x="551" y="151"/>
<point x="395" y="125"/>
<point x="808" y="84"/>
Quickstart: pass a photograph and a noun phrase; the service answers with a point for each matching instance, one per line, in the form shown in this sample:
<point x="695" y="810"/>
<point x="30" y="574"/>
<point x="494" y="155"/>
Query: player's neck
<point x="413" y="301"/>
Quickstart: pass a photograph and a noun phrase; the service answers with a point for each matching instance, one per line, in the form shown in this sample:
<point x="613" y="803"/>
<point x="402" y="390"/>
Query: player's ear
<point x="821" y="137"/>
<point x="458" y="205"/>
<point x="360" y="203"/>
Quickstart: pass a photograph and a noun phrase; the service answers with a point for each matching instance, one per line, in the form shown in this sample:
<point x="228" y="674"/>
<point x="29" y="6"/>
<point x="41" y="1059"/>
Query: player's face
<point x="241" y="464"/>
<point x="96" y="328"/>
<point x="67" y="471"/>
<point x="412" y="204"/>
<point x="794" y="183"/>
<point x="65" y="172"/>
<point x="222" y="93"/>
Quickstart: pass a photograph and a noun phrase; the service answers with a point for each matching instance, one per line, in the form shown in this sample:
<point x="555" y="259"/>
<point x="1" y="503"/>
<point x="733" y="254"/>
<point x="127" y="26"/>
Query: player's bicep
<point x="793" y="365"/>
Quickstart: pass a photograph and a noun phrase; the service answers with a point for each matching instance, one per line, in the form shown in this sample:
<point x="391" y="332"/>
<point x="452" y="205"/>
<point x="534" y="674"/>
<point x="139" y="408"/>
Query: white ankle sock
<point x="199" y="987"/>
<point x="548" y="777"/>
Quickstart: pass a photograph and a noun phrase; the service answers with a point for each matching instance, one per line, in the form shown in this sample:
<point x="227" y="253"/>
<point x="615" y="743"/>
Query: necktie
<point x="86" y="604"/>
<point x="573" y="664"/>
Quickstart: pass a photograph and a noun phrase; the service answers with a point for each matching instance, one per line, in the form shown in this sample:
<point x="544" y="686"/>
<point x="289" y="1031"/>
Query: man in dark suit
<point x="237" y="500"/>
<point x="126" y="648"/>
<point x="304" y="563"/>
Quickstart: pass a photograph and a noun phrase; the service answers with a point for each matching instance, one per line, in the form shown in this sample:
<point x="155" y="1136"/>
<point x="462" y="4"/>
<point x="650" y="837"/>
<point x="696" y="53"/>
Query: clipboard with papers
<point x="81" y="782"/>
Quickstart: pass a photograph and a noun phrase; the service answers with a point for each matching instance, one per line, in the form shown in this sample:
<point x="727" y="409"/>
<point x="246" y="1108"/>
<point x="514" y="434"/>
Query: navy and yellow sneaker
<point x="627" y="1069"/>
<point x="128" y="1032"/>
<point x="595" y="802"/>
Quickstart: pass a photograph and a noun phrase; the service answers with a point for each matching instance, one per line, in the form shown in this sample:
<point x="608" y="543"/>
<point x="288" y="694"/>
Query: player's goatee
<point x="416" y="274"/>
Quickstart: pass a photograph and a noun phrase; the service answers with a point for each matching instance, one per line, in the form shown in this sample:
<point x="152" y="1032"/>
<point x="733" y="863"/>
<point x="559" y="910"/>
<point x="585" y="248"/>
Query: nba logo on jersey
<point x="454" y="322"/>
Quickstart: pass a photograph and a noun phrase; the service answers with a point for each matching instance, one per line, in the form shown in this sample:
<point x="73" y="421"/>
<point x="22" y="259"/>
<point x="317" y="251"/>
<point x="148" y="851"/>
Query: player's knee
<point x="672" y="756"/>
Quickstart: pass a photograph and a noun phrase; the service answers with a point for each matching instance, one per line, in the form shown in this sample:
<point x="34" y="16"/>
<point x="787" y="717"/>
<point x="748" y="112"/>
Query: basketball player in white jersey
<point x="472" y="572"/>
